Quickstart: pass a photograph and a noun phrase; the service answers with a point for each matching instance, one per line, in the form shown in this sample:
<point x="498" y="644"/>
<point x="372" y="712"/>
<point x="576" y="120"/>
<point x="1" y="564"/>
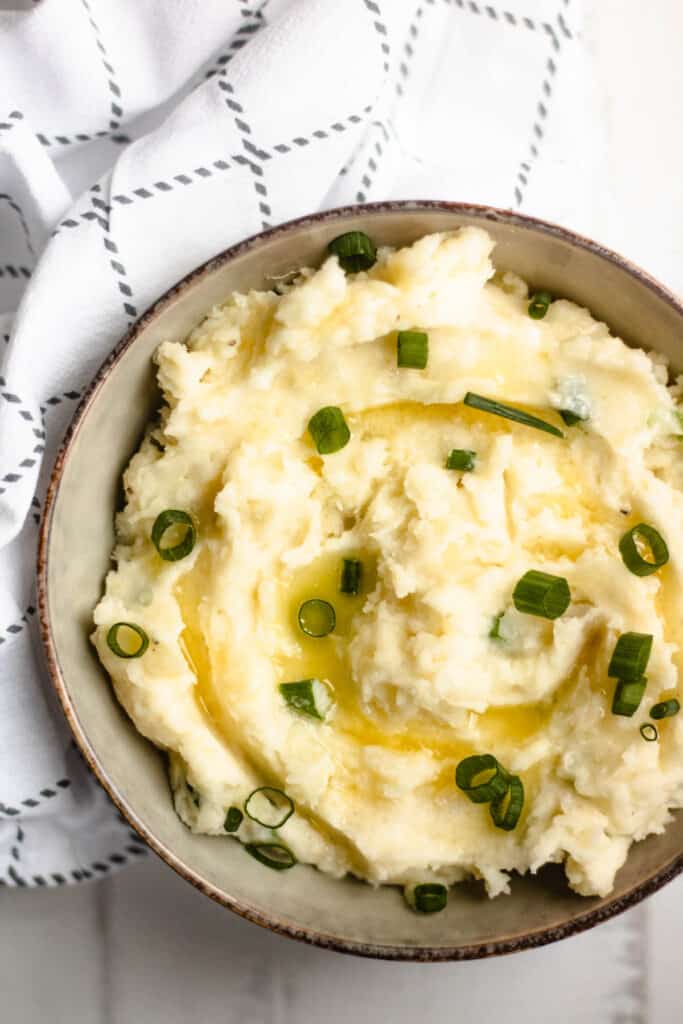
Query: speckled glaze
<point x="77" y="536"/>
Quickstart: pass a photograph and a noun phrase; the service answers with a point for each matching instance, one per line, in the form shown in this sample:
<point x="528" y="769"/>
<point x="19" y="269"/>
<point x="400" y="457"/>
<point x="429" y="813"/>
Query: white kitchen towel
<point x="138" y="139"/>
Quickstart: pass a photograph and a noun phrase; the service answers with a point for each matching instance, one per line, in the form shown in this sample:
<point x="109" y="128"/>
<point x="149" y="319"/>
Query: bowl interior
<point x="78" y="538"/>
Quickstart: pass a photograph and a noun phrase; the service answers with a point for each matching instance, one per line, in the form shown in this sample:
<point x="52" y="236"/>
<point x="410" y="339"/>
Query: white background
<point x="143" y="946"/>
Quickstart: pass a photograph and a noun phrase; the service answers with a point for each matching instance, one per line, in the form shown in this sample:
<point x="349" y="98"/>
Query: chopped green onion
<point x="630" y="656"/>
<point x="508" y="412"/>
<point x="412" y="349"/>
<point x="311" y="697"/>
<point x="649" y="732"/>
<point x="628" y="695"/>
<point x="481" y="778"/>
<point x="571" y="418"/>
<point x="461" y="458"/>
<point x="163" y="522"/>
<point x="273" y="855"/>
<point x="329" y="430"/>
<point x="426" y="898"/>
<point x="354" y="250"/>
<point x="316" y="618"/>
<point x="269" y="807"/>
<point x="127" y="652"/>
<point x="494" y="632"/>
<point x="539" y="593"/>
<point x="665" y="709"/>
<point x="644" y="537"/>
<point x="539" y="305"/>
<point x="351" y="576"/>
<point x="506" y="810"/>
<point x="233" y="819"/>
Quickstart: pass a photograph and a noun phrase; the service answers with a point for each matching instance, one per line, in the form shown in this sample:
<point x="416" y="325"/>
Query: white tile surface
<point x="145" y="947"/>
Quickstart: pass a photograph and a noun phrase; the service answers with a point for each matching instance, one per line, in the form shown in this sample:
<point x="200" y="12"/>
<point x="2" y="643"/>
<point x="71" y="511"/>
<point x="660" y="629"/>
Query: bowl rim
<point x="281" y="926"/>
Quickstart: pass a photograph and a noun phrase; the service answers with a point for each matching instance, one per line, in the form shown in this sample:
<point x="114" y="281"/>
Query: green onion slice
<point x="316" y="617"/>
<point x="351" y="576"/>
<point x="571" y="418"/>
<point x="412" y="349"/>
<point x="506" y="810"/>
<point x="462" y="459"/>
<point x="273" y="855"/>
<point x="311" y="697"/>
<point x="123" y="645"/>
<point x="494" y="631"/>
<point x="163" y="522"/>
<point x="630" y="656"/>
<point x="539" y="593"/>
<point x="643" y="540"/>
<point x="329" y="430"/>
<point x="508" y="412"/>
<point x="628" y="695"/>
<point x="649" y="732"/>
<point x="665" y="709"/>
<point x="426" y="897"/>
<point x="269" y="807"/>
<point x="482" y="778"/>
<point x="233" y="819"/>
<point x="539" y="305"/>
<point x="354" y="250"/>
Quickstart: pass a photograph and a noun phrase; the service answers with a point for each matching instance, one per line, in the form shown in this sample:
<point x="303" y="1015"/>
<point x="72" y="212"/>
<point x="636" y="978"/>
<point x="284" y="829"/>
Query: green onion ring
<point x="351" y="576"/>
<point x="273" y="855"/>
<point x="633" y="560"/>
<point x="630" y="656"/>
<point x="508" y="412"/>
<point x="233" y="819"/>
<point x="649" y="732"/>
<point x="665" y="709"/>
<point x="276" y="807"/>
<point x="628" y="695"/>
<point x="172" y="517"/>
<point x="355" y="251"/>
<point x="494" y="786"/>
<point x="571" y="418"/>
<point x="505" y="811"/>
<point x="462" y="459"/>
<point x="316" y="618"/>
<point x="539" y="593"/>
<point x="329" y="430"/>
<point x="412" y="350"/>
<point x="426" y="897"/>
<point x="494" y="631"/>
<point x="539" y="305"/>
<point x="113" y="640"/>
<point x="312" y="697"/>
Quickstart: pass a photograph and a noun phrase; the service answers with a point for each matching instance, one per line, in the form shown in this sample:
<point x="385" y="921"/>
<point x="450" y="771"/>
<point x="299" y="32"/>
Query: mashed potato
<point x="422" y="667"/>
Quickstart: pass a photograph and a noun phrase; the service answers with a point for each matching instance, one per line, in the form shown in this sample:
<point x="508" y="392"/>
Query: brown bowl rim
<point x="424" y="954"/>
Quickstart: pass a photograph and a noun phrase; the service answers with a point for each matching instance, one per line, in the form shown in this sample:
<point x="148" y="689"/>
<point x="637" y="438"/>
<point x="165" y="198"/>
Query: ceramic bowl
<point x="77" y="538"/>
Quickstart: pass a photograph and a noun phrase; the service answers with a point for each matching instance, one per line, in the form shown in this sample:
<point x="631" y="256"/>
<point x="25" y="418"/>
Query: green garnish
<point x="539" y="305"/>
<point x="269" y="807"/>
<point x="310" y="697"/>
<point x="462" y="459"/>
<point x="571" y="418"/>
<point x="351" y="576"/>
<point x="665" y="709"/>
<point x="539" y="593"/>
<point x="646" y="539"/>
<point x="482" y="778"/>
<point x="628" y="695"/>
<point x="494" y="632"/>
<point x="426" y="897"/>
<point x="412" y="349"/>
<point x="630" y="656"/>
<point x="354" y="250"/>
<point x="316" y="618"/>
<point x="163" y="522"/>
<point x="649" y="732"/>
<point x="233" y="819"/>
<point x="329" y="430"/>
<point x="508" y="412"/>
<point x="128" y="646"/>
<point x="505" y="811"/>
<point x="273" y="855"/>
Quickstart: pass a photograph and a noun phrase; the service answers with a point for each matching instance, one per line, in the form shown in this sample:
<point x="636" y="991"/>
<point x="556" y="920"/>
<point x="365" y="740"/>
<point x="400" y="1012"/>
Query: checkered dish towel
<point x="138" y="139"/>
